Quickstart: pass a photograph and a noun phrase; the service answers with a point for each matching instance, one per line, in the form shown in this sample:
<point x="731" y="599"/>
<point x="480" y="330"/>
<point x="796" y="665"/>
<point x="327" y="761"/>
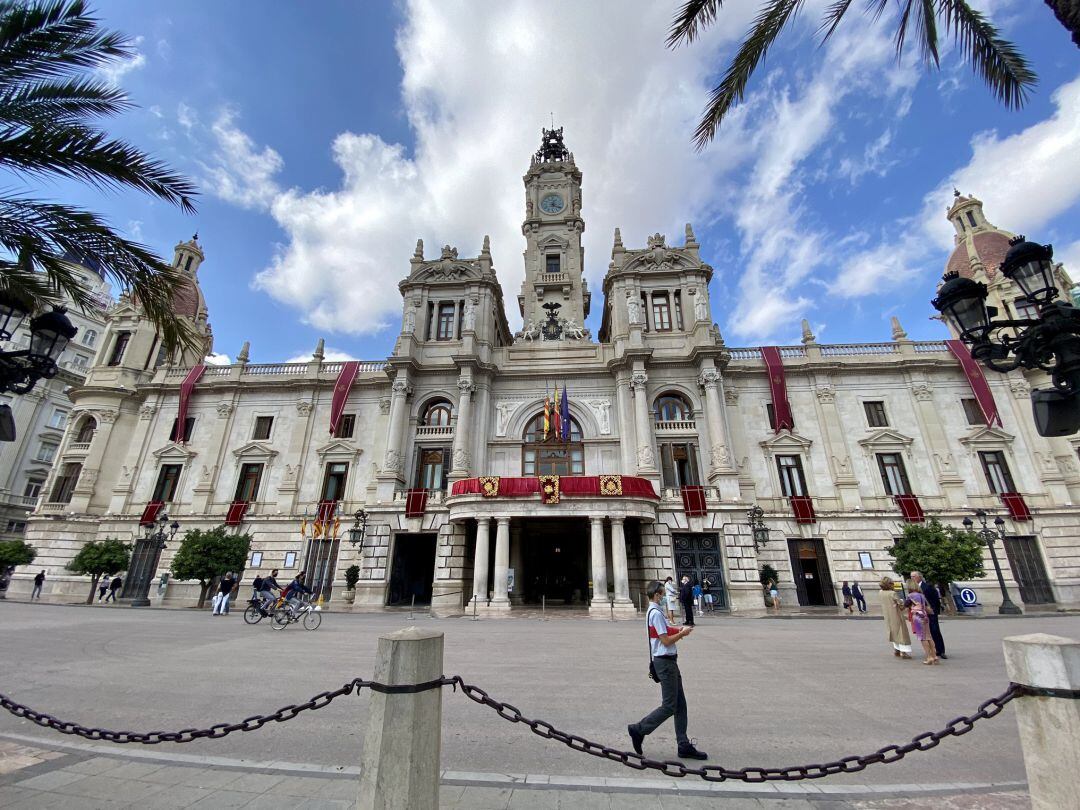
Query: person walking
<point x="671" y="595"/>
<point x="919" y="613"/>
<point x="664" y="661"/>
<point x="103" y="586"/>
<point x="686" y="599"/>
<point x="846" y="591"/>
<point x="225" y="586"/>
<point x="860" y="600"/>
<point x="933" y="598"/>
<point x="114" y="588"/>
<point x="774" y="594"/>
<point x="895" y="626"/>
<point x="39" y="580"/>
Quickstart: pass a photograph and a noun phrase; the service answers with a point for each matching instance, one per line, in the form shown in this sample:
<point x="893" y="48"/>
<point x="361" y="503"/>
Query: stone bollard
<point x="400" y="763"/>
<point x="1049" y="726"/>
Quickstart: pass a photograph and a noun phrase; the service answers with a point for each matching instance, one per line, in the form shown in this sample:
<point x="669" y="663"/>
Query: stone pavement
<point x="78" y="775"/>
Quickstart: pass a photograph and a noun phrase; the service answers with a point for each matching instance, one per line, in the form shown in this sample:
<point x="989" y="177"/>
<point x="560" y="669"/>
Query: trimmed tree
<point x="98" y="558"/>
<point x="943" y="554"/>
<point x="15" y="552"/>
<point x="352" y="576"/>
<point x="205" y="555"/>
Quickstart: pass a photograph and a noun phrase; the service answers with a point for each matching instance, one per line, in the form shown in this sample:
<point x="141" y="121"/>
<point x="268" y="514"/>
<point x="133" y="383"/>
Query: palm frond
<point x="83" y="154"/>
<point x="731" y="90"/>
<point x="926" y="24"/>
<point x="833" y="15"/>
<point x="59" y="102"/>
<point x="997" y="61"/>
<point x="693" y="18"/>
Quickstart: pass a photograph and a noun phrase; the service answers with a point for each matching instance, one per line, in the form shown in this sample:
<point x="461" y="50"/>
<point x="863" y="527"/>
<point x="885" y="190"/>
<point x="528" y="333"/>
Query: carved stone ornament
<point x="701" y="308"/>
<point x="1020" y="389"/>
<point x="465" y="386"/>
<point x="922" y="392"/>
<point x="291" y="472"/>
<point x="639" y="379"/>
<point x="393" y="461"/>
<point x="826" y="393"/>
<point x="224" y="409"/>
<point x="401" y="388"/>
<point x="469" y="317"/>
<point x="147" y="412"/>
<point x="384" y="405"/>
<point x="645" y="457"/>
<point x="709" y="378"/>
<point x="731" y="396"/>
<point x="461" y="459"/>
<point x="602" y="409"/>
<point x="633" y="308"/>
<point x="303" y="408"/>
<point x="503" y="412"/>
<point x="107" y="417"/>
<point x="721" y="456"/>
<point x="408" y="322"/>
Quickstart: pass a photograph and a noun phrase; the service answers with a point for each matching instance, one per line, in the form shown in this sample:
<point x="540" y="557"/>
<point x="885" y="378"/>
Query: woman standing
<point x="919" y="612"/>
<point x="774" y="594"/>
<point x="671" y="596"/>
<point x="846" y="591"/>
<point x="221" y="606"/>
<point x="895" y="625"/>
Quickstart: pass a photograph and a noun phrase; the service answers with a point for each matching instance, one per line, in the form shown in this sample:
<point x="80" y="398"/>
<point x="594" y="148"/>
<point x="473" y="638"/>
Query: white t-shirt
<point x="658" y="626"/>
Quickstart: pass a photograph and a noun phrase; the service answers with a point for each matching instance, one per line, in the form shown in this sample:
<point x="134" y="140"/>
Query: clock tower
<point x="554" y="300"/>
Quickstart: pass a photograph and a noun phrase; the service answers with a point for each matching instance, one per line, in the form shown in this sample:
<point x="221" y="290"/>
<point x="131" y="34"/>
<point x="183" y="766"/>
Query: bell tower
<point x="554" y="300"/>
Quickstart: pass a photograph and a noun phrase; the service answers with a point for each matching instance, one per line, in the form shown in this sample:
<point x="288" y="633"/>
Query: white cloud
<point x="186" y="117"/>
<point x="115" y="71"/>
<point x="237" y="170"/>
<point x="874" y="160"/>
<point x="216" y="359"/>
<point x="134" y="229"/>
<point x="329" y="356"/>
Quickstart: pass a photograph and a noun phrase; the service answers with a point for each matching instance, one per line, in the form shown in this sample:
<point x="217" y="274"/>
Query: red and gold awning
<point x="608" y="486"/>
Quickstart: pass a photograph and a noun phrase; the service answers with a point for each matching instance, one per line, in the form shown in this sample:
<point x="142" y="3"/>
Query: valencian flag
<point x="564" y="414"/>
<point x="556" y="417"/>
<point x="547" y="417"/>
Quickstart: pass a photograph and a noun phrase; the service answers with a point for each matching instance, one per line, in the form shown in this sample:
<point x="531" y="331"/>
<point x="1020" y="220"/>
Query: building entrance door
<point x="810" y="567"/>
<point x="555" y="559"/>
<point x="144" y="561"/>
<point x="698" y="557"/>
<point x="320" y="563"/>
<point x="1028" y="570"/>
<point x="412" y="569"/>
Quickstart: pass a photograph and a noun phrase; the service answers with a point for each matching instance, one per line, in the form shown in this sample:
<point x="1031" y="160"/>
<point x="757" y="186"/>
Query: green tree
<point x="943" y="554"/>
<point x="352" y="576"/>
<point x="204" y="555"/>
<point x="766" y="573"/>
<point x="100" y="557"/>
<point x="994" y="59"/>
<point x="49" y="106"/>
<point x="15" y="552"/>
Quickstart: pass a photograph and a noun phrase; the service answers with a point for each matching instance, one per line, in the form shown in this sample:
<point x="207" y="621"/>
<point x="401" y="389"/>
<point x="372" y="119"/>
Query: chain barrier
<point x="710" y="773"/>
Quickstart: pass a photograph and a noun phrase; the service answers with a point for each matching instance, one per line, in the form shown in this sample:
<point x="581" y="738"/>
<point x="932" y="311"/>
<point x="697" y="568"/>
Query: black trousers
<point x="688" y="609"/>
<point x="935" y="634"/>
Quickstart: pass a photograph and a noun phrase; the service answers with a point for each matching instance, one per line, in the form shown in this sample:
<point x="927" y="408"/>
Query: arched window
<point x="552" y="455"/>
<point x="672" y="407"/>
<point x="89" y="338"/>
<point x="437" y="414"/>
<point x="86" y="430"/>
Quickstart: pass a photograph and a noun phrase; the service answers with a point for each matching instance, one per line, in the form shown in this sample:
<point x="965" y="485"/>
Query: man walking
<point x="860" y="600"/>
<point x="686" y="599"/>
<point x="933" y="598"/>
<point x="662" y="639"/>
<point x="114" y="588"/>
<point x="39" y="580"/>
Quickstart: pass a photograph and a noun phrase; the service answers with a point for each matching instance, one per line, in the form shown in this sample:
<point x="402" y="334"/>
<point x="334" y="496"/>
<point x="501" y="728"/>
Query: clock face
<point x="551" y="204"/>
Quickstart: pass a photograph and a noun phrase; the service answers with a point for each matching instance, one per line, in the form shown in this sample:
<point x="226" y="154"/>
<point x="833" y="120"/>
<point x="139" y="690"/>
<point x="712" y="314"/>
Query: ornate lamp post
<point x="144" y="561"/>
<point x="755" y="520"/>
<point x="356" y="532"/>
<point x="987" y="536"/>
<point x="21" y="370"/>
<point x="1049" y="342"/>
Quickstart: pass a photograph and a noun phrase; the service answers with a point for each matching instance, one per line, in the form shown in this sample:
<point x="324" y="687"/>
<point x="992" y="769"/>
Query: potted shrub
<point x="352" y="576"/>
<point x="766" y="574"/>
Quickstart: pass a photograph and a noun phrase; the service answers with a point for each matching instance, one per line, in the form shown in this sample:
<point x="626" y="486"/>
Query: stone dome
<point x="989" y="247"/>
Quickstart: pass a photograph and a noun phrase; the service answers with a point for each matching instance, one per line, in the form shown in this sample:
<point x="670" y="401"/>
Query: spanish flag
<point x="337" y="526"/>
<point x="303" y="527"/>
<point x="316" y="529"/>
<point x="556" y="419"/>
<point x="547" y="417"/>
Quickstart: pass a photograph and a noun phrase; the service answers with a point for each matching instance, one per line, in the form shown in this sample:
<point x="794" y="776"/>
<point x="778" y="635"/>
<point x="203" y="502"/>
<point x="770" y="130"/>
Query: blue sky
<point x="326" y="138"/>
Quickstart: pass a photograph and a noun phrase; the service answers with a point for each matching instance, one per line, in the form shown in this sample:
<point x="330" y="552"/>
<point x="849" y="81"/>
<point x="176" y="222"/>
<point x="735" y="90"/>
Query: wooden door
<point x="1028" y="570"/>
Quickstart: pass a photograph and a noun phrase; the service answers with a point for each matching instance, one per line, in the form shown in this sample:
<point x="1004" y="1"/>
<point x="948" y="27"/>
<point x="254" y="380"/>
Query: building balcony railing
<point x="434" y="431"/>
<point x="78" y="447"/>
<point x="675" y="494"/>
<point x="857" y="349"/>
<point x="554" y="278"/>
<point x="54" y="507"/>
<point x="435" y="497"/>
<point x="676" y="425"/>
<point x="23" y="501"/>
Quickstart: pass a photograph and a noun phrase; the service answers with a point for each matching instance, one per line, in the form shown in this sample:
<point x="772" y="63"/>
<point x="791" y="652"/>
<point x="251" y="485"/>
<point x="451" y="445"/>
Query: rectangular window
<point x="263" y="425"/>
<point x="792" y="480"/>
<point x="247" y="488"/>
<point x="168" y="478"/>
<point x="677" y="295"/>
<point x="65" y="484"/>
<point x="998" y="477"/>
<point x="971" y="218"/>
<point x="1025" y="310"/>
<point x="333" y="488"/>
<point x="678" y="463"/>
<point x="973" y="412"/>
<point x="553" y="263"/>
<point x="661" y="311"/>
<point x="189" y="425"/>
<point x="893" y="474"/>
<point x="345" y="426"/>
<point x="119" y="346"/>
<point x="875" y="414"/>
<point x="46" y="451"/>
<point x="58" y="418"/>
<point x="16" y="526"/>
<point x="445" y="327"/>
<point x="431" y="467"/>
<point x="33" y="487"/>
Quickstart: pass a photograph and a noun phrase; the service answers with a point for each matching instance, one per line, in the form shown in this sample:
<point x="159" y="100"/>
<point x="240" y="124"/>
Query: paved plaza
<point x="761" y="692"/>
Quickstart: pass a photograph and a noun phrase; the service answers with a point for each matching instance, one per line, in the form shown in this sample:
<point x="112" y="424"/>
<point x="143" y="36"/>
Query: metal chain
<point x="718" y="773"/>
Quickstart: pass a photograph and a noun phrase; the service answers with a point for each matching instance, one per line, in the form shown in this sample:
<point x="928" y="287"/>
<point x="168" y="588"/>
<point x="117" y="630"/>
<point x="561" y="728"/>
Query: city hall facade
<point x="486" y="490"/>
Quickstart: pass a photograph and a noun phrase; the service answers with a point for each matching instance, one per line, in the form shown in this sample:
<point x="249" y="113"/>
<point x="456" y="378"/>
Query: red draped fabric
<point x="911" y="508"/>
<point x="341" y="392"/>
<point x="325" y="511"/>
<point x="803" y="507"/>
<point x="1017" y="506"/>
<point x="693" y="501"/>
<point x="150" y="513"/>
<point x="186" y="387"/>
<point x="778" y="388"/>
<point x="236" y="513"/>
<point x="979" y="386"/>
<point x="588" y="485"/>
<point x="415" y="502"/>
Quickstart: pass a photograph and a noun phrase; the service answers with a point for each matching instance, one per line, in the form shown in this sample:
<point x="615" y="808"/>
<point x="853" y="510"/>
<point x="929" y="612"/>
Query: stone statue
<point x="469" y="317"/>
<point x="633" y="308"/>
<point x="503" y="412"/>
<point x="701" y="307"/>
<point x="572" y="330"/>
<point x="409" y="326"/>
<point x="602" y="409"/>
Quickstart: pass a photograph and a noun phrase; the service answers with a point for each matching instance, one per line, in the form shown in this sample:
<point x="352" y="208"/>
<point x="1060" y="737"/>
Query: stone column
<point x="646" y="455"/>
<point x="722" y="471"/>
<point x="844" y="479"/>
<point x="400" y="762"/>
<point x="480" y="561"/>
<point x="938" y="445"/>
<point x="1049" y="726"/>
<point x="84" y="490"/>
<point x="620" y="571"/>
<point x="394" y="462"/>
<point x="599" y="561"/>
<point x="499" y="598"/>
<point x="627" y="441"/>
<point x="463" y="431"/>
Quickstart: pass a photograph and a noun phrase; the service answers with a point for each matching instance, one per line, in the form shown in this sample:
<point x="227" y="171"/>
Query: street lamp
<point x="145" y="560"/>
<point x="987" y="536"/>
<point x="755" y="520"/>
<point x="356" y="533"/>
<point x="1049" y="342"/>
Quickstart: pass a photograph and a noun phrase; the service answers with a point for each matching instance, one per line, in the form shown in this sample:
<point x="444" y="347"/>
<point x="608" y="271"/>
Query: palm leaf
<point x="59" y="102"/>
<point x="926" y="23"/>
<point x="997" y="61"/>
<point x="691" y="20"/>
<point x="731" y="90"/>
<point x="832" y="17"/>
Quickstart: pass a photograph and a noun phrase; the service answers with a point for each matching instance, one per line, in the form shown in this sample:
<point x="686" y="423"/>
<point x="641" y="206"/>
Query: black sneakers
<point x="636" y="738"/>
<point x="689" y="752"/>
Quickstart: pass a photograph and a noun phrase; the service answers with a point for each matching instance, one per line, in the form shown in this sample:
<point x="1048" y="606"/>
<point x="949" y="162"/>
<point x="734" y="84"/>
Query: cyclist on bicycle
<point x="295" y="589"/>
<point x="269" y="585"/>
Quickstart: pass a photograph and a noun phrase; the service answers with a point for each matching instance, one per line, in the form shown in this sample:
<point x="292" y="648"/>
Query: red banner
<point x="582" y="485"/>
<point x="415" y="502"/>
<point x="150" y="513"/>
<point x="186" y="388"/>
<point x="979" y="387"/>
<point x="236" y="513"/>
<point x="1017" y="506"/>
<point x="341" y="392"/>
<point x="803" y="507"/>
<point x="778" y="387"/>
<point x="911" y="508"/>
<point x="693" y="501"/>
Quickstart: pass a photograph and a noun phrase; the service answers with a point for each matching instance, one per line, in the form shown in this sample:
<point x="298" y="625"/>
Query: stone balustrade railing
<point x="274" y="369"/>
<point x="435" y="496"/>
<point x="857" y="349"/>
<point x="743" y="353"/>
<point x="25" y="501"/>
<point x="434" y="431"/>
<point x="78" y="447"/>
<point x="676" y="425"/>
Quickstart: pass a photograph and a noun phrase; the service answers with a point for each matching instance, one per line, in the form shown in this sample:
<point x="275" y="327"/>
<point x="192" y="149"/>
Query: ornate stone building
<point x="667" y="437"/>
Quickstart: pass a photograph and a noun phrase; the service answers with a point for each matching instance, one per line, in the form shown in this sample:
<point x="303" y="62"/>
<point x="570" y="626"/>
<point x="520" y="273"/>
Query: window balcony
<point x="434" y="431"/>
<point x="676" y="425"/>
<point x="78" y="448"/>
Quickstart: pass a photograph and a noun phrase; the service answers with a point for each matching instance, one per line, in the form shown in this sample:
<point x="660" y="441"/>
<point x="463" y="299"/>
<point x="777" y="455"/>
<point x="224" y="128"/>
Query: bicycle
<point x="255" y="613"/>
<point x="288" y="614"/>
